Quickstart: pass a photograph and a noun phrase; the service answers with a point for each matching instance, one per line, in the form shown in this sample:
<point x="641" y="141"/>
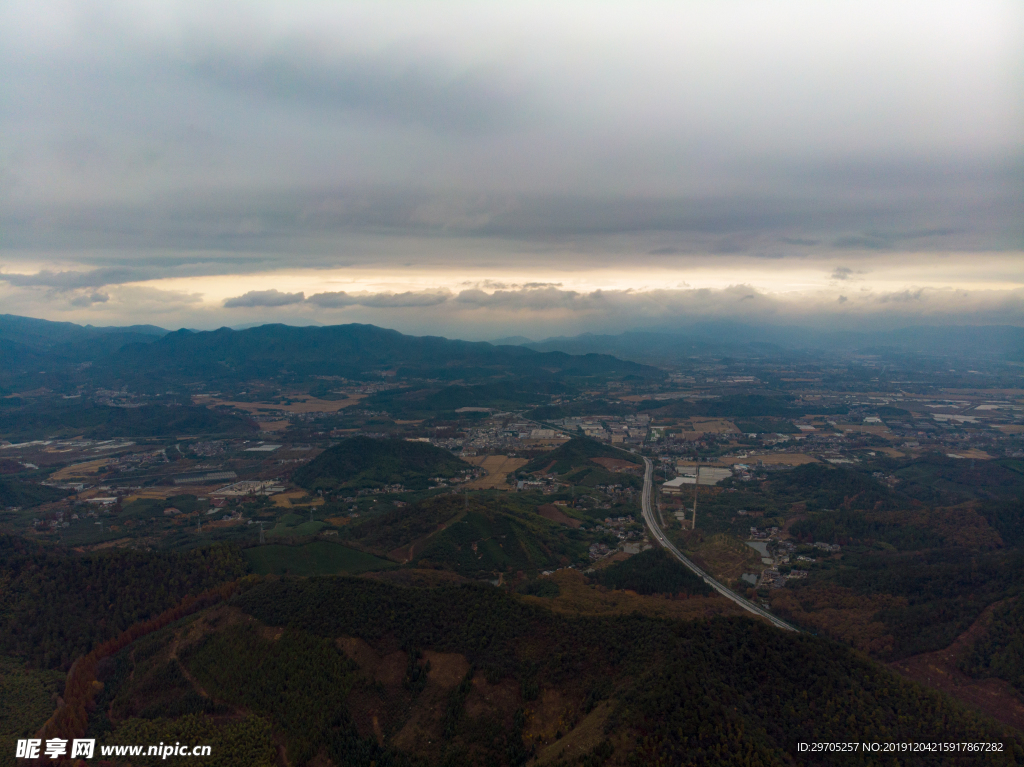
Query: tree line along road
<point x="664" y="542"/>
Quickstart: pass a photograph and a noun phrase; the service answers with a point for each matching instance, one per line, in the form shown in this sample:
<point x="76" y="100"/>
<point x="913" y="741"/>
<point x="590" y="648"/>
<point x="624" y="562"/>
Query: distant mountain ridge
<point x="45" y="334"/>
<point x="356" y="351"/>
<point x="129" y="355"/>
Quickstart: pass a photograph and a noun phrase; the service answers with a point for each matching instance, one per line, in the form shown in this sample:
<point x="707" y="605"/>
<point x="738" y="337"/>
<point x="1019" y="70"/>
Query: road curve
<point x="663" y="541"/>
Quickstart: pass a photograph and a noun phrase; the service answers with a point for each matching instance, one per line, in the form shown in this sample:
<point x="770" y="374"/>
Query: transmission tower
<point x="696" y="487"/>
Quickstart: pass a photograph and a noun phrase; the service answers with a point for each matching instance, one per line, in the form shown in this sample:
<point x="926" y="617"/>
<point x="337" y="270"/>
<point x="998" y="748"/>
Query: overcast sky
<point x="484" y="169"/>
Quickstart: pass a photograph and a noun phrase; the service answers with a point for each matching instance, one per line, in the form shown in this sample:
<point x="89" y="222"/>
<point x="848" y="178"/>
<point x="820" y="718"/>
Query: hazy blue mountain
<point x="737" y="339"/>
<point x="512" y="341"/>
<point x="353" y="351"/>
<point x="356" y="351"/>
<point x="44" y="334"/>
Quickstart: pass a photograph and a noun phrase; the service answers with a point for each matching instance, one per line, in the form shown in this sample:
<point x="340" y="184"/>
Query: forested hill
<point x="362" y="462"/>
<point x="24" y="419"/>
<point x="356" y="350"/>
<point x="577" y="452"/>
<point x="358" y="672"/>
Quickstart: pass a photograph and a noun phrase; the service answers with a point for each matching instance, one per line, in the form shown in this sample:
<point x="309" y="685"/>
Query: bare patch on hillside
<point x="555" y="514"/>
<point x="939" y="671"/>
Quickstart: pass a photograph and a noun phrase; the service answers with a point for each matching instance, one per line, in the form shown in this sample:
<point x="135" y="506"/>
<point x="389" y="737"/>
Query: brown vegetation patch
<point x="615" y="464"/>
<point x="422" y="732"/>
<point x="547" y="468"/>
<point x="287" y="500"/>
<point x="714" y="426"/>
<point x="226" y="523"/>
<point x="153" y="493"/>
<point x="271" y="633"/>
<point x="841" y="614"/>
<point x="406" y="553"/>
<point x="361" y="653"/>
<point x="366" y="706"/>
<point x="273" y="425"/>
<point x="547" y="715"/>
<point x="577" y="597"/>
<point x="611" y="559"/>
<point x="552" y="512"/>
<point x="498" y="701"/>
<point x="80" y="469"/>
<point x="545" y="444"/>
<point x="722" y="555"/>
<point x="301" y="403"/>
<point x="960" y="525"/>
<point x="337" y="521"/>
<point x="580" y="740"/>
<point x="878" y="429"/>
<point x="891" y="452"/>
<point x="446" y="669"/>
<point x="115" y="544"/>
<point x="981" y="455"/>
<point x="781" y="459"/>
<point x="720" y="464"/>
<point x="391" y="669"/>
<point x="688" y="436"/>
<point x="939" y="671"/>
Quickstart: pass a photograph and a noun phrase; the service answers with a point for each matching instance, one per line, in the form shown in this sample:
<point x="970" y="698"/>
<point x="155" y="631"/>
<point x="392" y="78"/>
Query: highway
<point x="662" y="540"/>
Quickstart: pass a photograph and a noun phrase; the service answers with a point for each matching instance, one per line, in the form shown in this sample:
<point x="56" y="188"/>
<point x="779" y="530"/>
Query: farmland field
<point x="316" y="558"/>
<point x="498" y="467"/>
<point x="714" y="426"/>
<point x="80" y="469"/>
<point x="301" y="403"/>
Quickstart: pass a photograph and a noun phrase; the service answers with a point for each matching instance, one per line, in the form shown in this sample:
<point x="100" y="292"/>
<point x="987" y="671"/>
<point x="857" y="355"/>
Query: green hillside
<point x="653" y="571"/>
<point x="362" y="462"/>
<point x="467" y="675"/>
<point x="426" y="401"/>
<point x="39" y="418"/>
<point x="14" y="492"/>
<point x="474" y="537"/>
<point x="576" y="453"/>
<point x="487" y="541"/>
<point x="314" y="558"/>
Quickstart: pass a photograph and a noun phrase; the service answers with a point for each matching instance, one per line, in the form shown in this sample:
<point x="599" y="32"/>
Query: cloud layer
<point x="152" y="153"/>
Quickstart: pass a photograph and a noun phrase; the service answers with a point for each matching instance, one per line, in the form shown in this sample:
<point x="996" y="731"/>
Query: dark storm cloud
<point x="379" y="300"/>
<point x="270" y="297"/>
<point x="406" y="91"/>
<point x="295" y="220"/>
<point x="72" y="280"/>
